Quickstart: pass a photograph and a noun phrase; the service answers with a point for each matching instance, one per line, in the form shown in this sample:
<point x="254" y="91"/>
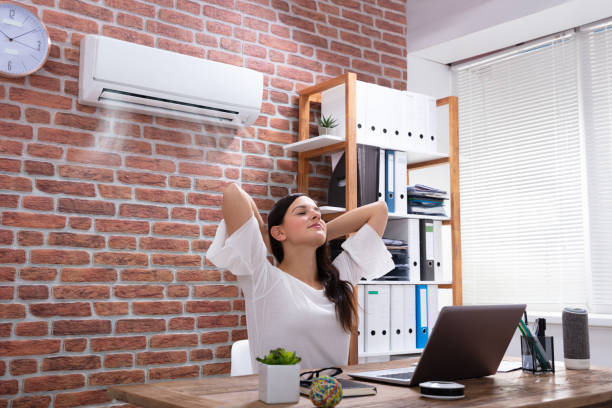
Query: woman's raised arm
<point x="237" y="208"/>
<point x="374" y="214"/>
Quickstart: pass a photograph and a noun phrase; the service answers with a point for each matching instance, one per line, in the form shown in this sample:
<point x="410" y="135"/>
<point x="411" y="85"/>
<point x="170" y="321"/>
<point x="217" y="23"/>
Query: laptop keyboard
<point x="399" y="376"/>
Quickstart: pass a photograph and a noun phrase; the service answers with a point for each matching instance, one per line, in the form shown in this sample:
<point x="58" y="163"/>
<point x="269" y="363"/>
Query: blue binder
<point x="390" y="180"/>
<point x="422" y="328"/>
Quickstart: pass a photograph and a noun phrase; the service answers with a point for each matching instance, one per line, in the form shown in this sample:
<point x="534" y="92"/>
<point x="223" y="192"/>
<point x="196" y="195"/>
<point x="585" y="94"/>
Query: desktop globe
<point x="325" y="392"/>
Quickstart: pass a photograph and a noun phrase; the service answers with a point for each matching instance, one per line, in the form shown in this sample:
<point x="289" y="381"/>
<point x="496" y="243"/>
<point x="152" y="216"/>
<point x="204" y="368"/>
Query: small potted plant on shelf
<point x="326" y="124"/>
<point x="279" y="377"/>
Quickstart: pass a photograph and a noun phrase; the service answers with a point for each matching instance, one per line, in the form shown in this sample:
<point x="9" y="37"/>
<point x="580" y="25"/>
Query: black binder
<point x="427" y="252"/>
<point x="367" y="178"/>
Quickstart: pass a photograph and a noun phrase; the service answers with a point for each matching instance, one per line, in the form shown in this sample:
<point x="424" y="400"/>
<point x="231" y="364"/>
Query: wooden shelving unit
<point x="309" y="148"/>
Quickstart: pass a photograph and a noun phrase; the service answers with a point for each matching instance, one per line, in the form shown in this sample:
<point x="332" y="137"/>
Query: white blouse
<point x="282" y="311"/>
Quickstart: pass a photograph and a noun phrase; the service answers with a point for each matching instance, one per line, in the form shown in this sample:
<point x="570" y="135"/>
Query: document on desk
<point x="506" y="366"/>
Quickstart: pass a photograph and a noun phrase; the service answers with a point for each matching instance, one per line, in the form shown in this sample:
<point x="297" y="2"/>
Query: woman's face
<point x="303" y="223"/>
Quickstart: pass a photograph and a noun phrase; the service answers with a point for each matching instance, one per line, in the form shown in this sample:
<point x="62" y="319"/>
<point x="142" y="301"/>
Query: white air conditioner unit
<point x="127" y="76"/>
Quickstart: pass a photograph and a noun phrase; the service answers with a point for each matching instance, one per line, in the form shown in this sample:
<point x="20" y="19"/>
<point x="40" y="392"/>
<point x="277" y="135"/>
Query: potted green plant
<point x="326" y="124"/>
<point x="279" y="377"/>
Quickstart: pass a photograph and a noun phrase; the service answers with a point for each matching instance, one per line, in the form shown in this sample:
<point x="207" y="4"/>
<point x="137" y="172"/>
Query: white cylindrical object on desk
<point x="576" y="338"/>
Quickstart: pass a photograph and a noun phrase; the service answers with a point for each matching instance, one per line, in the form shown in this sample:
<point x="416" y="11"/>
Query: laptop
<point x="466" y="342"/>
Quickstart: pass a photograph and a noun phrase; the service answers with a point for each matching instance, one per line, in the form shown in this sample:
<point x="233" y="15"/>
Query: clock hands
<point x="19" y="42"/>
<point x="20" y="35"/>
<point x="5" y="35"/>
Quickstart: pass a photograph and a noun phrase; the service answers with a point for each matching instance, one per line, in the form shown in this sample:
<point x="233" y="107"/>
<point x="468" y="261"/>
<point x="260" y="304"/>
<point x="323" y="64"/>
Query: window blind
<point x="596" y="57"/>
<point x="521" y="169"/>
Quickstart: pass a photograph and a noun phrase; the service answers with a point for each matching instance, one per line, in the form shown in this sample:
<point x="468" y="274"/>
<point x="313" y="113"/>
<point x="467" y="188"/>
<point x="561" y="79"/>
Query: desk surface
<point x="564" y="389"/>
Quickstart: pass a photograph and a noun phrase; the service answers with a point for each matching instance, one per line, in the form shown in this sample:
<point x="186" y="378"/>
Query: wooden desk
<point x="564" y="389"/>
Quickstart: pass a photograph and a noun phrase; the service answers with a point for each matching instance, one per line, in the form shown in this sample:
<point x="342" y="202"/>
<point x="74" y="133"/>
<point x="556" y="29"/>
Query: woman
<point x="304" y="303"/>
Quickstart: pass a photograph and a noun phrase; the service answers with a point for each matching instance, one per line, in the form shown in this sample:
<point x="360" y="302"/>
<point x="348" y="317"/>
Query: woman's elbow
<point x="381" y="208"/>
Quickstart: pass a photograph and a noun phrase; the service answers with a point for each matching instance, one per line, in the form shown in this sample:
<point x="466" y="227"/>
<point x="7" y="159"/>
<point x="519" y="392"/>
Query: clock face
<point x="24" y="41"/>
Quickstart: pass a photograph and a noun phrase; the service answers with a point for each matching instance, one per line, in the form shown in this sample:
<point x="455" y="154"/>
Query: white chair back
<point x="241" y="359"/>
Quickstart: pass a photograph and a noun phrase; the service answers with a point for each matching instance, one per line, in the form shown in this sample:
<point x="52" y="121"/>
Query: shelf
<point x="313" y="143"/>
<point x="327" y="209"/>
<point x="390" y="353"/>
<point x="375" y="282"/>
<point x="413" y="156"/>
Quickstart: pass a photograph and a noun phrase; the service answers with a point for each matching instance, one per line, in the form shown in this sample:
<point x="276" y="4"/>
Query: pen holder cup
<point x="538" y="356"/>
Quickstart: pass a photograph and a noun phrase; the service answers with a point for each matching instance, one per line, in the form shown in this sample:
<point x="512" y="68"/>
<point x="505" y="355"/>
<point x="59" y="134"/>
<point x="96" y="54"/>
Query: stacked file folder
<point x="426" y="200"/>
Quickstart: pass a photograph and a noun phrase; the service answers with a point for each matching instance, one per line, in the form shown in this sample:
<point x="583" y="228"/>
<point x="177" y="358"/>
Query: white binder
<point x="431" y="135"/>
<point x="398" y="318"/>
<point x="410" y="307"/>
<point x="396" y="122"/>
<point x="373" y="116"/>
<point x="361" y="96"/>
<point x="377" y="319"/>
<point x="414" y="249"/>
<point x="410" y="122"/>
<point x="401" y="201"/>
<point x="360" y="327"/>
<point x="420" y="122"/>
<point x="438" y="251"/>
<point x="432" y="306"/>
<point x="381" y="175"/>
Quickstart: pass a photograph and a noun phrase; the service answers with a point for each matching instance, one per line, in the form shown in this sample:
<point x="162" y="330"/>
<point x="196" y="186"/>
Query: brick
<point x="88" y="275"/>
<point x="81" y="327"/>
<point x="95" y="207"/>
<point x="119" y="192"/>
<point x="81" y="292"/>
<point x="161" y="357"/>
<point x="39" y="401"/>
<point x="56" y="256"/>
<point x="215" y="291"/>
<point x="111" y="308"/>
<point x="166" y="135"/>
<point x="173" y="340"/>
<point x="140" y="325"/>
<point x="93" y="157"/>
<point x="66" y="137"/>
<point x="257" y="11"/>
<point x="176" y="260"/>
<point x="12" y="256"/>
<point x="88" y="173"/>
<point x="80" y="122"/>
<point x="157" y="308"/>
<point x="179" y="182"/>
<point x="37" y="203"/>
<point x="28" y="220"/>
<point x="188" y="214"/>
<point x="118" y="360"/>
<point x="76" y="240"/>
<point x="31" y="292"/>
<point x="208" y="214"/>
<point x="181" y="323"/>
<point x="162" y="373"/>
<point x="142" y="178"/>
<point x="121" y="242"/>
<point x="39" y="98"/>
<point x="124" y="226"/>
<point x="278" y="43"/>
<point x="9" y="200"/>
<point x="7" y="293"/>
<point x="226" y="58"/>
<point x="71" y="363"/>
<point x="37" y="274"/>
<point x="164" y="244"/>
<point x="74" y="399"/>
<point x="150" y="164"/>
<point x="204" y="199"/>
<point x="276" y="136"/>
<point x="6" y="237"/>
<point x="176" y="229"/>
<point x="160" y="196"/>
<point x="177" y="291"/>
<point x="28" y="347"/>
<point x="147" y="275"/>
<point x="10" y="112"/>
<point x="200" y="354"/>
<point x="12" y="311"/>
<point x="27" y="329"/>
<point x="60" y="309"/>
<point x="42" y="150"/>
<point x="7" y="274"/>
<point x="216" y="369"/>
<point x="128" y="20"/>
<point x="166" y="30"/>
<point x="143" y="211"/>
<point x="23" y="366"/>
<point x="292" y="21"/>
<point x="41" y="168"/>
<point x="53" y="382"/>
<point x="223" y="352"/>
<point x="207" y="322"/>
<point x="239" y="334"/>
<point x="5" y="329"/>
<point x="200" y="169"/>
<point x="117" y="343"/>
<point x="132" y="6"/>
<point x="138" y="291"/>
<point x="75" y="345"/>
<point x="82" y="223"/>
<point x="117" y="377"/>
<point x="207" y="306"/>
<point x="181" y="19"/>
<point x="13" y="166"/>
<point x="15" y="183"/>
<point x="120" y="258"/>
<point x="11" y="147"/>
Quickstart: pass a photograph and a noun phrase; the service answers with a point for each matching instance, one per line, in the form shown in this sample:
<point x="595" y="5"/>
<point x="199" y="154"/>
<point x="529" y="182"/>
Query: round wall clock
<point x="24" y="41"/>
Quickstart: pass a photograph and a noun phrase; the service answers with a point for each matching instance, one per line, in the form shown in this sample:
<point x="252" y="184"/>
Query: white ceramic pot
<point x="279" y="384"/>
<point x="325" y="131"/>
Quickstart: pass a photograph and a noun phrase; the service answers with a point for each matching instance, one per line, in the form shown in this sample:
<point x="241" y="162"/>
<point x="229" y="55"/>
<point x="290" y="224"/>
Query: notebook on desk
<point x="466" y="342"/>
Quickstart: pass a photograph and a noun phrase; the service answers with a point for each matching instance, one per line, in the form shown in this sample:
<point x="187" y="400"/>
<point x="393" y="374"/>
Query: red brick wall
<point x="106" y="216"/>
